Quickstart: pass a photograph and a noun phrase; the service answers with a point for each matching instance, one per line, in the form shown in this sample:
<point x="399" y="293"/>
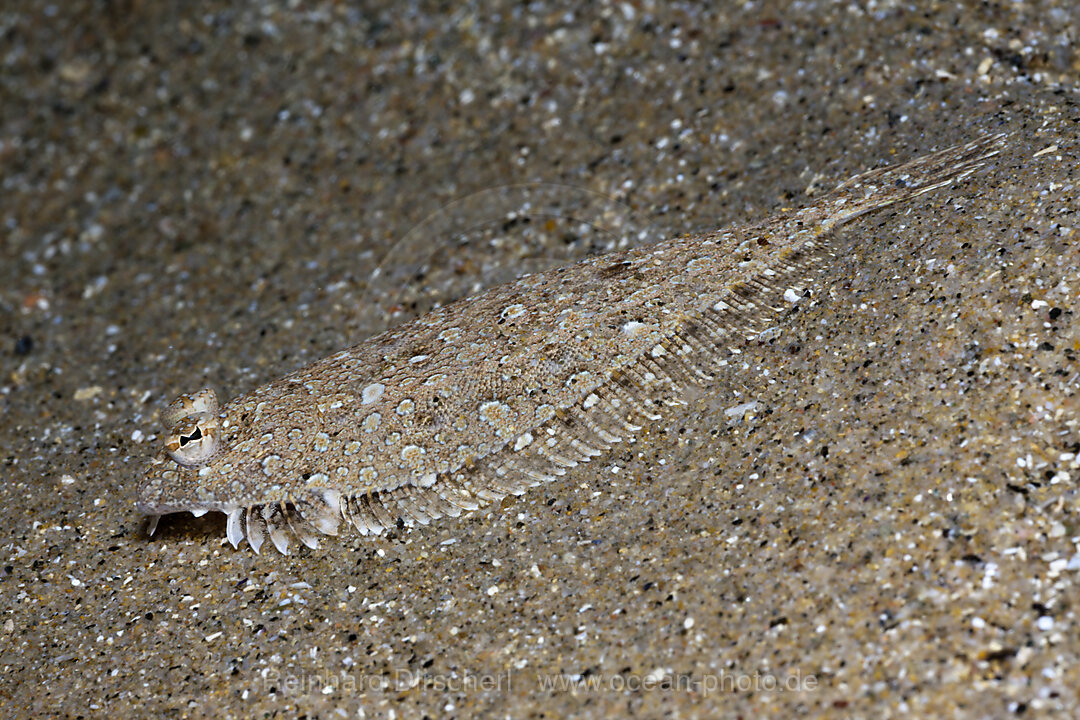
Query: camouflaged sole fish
<point x="502" y="391"/>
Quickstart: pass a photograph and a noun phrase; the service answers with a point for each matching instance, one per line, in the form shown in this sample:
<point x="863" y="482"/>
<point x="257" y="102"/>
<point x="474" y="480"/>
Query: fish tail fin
<point x="896" y="183"/>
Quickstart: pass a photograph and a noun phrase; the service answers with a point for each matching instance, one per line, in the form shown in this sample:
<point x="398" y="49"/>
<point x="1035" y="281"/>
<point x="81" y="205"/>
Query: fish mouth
<point x="155" y="511"/>
<point x="154" y="496"/>
<point x="198" y="509"/>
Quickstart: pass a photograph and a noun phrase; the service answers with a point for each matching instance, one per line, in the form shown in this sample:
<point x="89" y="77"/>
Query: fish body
<point x="513" y="387"/>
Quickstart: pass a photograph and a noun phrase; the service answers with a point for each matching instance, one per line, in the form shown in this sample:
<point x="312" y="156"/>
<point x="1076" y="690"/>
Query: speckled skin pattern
<point x="499" y="392"/>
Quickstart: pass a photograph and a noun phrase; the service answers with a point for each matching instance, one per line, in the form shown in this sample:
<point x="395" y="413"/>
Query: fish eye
<point x="193" y="441"/>
<point x="204" y="401"/>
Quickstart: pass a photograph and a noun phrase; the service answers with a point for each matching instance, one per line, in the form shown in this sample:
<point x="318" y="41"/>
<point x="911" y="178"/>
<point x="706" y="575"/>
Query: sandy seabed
<point x="201" y="197"/>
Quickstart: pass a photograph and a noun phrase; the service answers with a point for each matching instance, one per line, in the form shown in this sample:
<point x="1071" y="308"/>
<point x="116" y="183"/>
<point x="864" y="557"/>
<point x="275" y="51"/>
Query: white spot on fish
<point x="413" y="455"/>
<point x="512" y="311"/>
<point x="372" y="393"/>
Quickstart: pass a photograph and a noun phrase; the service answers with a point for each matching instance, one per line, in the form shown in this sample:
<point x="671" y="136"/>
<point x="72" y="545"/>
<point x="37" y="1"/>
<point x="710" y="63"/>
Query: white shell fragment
<point x="516" y="386"/>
